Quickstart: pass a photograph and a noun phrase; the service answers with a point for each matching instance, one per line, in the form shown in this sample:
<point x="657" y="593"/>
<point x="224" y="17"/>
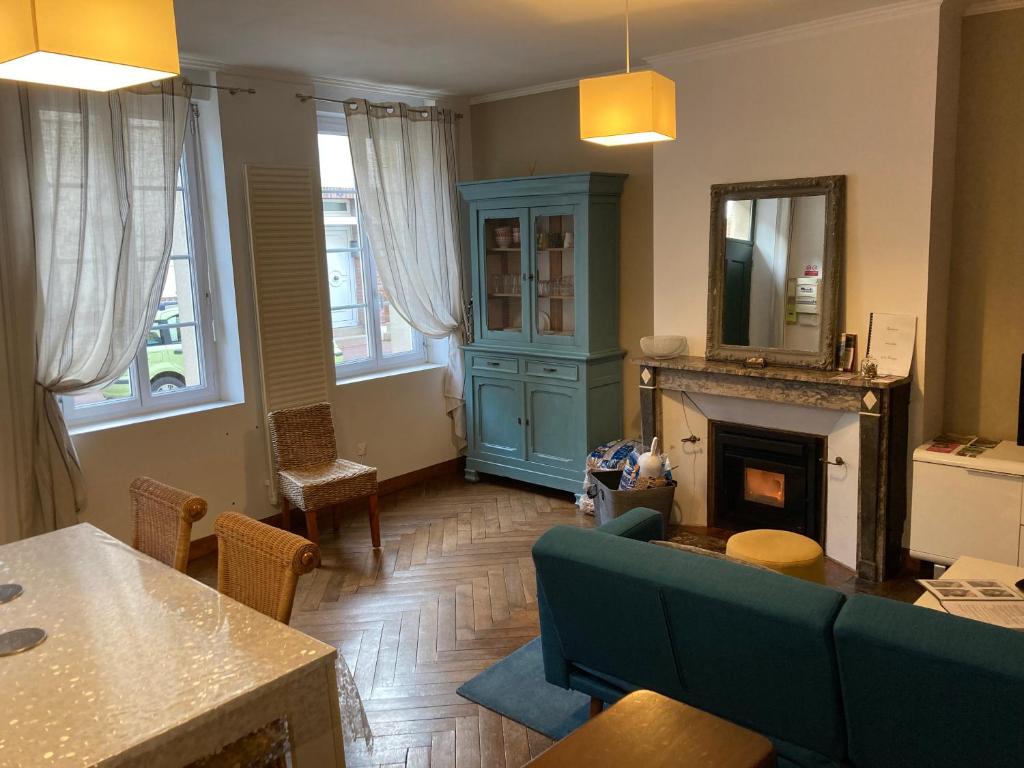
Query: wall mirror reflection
<point x="773" y="279"/>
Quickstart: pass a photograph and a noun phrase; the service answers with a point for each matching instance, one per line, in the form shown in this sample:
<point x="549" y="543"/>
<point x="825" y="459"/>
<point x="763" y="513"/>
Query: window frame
<point x="143" y="402"/>
<point x="333" y="123"/>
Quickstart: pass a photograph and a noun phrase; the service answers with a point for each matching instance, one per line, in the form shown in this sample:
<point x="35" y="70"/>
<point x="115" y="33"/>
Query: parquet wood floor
<point x="451" y="591"/>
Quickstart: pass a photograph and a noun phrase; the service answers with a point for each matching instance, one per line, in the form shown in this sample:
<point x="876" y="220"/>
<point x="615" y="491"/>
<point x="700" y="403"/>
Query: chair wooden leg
<point x="286" y="513"/>
<point x="374" y="522"/>
<point x="596" y="705"/>
<point x="312" y="531"/>
<point x="335" y="514"/>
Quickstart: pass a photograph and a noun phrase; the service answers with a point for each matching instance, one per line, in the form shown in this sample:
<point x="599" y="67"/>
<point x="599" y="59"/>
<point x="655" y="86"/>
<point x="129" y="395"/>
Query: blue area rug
<point x="515" y="687"/>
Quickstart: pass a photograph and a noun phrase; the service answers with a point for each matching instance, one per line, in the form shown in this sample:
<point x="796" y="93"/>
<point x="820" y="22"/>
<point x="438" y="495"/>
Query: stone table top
<point x="773" y="372"/>
<point x="137" y="652"/>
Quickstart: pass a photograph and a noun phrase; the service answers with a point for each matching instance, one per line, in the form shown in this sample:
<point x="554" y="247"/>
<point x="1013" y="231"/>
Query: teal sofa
<point x="831" y="680"/>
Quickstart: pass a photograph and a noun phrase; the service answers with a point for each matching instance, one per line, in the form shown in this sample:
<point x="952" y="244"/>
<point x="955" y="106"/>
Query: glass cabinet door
<point x="503" y="273"/>
<point x="555" y="275"/>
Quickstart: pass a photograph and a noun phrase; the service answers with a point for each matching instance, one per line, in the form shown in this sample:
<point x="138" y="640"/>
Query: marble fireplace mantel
<point x="882" y="405"/>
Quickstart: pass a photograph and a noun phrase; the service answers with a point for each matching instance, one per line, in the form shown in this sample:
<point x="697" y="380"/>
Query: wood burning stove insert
<point x="766" y="478"/>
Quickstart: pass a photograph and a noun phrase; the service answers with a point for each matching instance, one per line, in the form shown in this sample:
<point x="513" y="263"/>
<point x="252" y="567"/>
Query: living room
<point x="439" y="170"/>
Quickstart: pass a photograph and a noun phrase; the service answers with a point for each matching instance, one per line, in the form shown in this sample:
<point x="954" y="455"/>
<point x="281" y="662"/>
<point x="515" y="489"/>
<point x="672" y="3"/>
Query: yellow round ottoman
<point x="782" y="551"/>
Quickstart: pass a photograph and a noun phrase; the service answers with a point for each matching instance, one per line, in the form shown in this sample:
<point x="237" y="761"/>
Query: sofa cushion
<point x="925" y="688"/>
<point x="756" y="647"/>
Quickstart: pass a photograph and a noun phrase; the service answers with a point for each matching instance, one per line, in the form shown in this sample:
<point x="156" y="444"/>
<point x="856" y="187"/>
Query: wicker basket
<point x="610" y="502"/>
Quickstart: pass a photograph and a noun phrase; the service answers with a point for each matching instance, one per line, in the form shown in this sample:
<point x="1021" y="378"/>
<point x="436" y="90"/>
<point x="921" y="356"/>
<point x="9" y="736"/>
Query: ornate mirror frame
<point x="834" y="190"/>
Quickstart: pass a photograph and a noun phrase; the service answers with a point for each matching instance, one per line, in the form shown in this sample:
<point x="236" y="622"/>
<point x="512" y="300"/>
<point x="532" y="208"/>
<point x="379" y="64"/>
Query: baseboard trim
<point x="207" y="545"/>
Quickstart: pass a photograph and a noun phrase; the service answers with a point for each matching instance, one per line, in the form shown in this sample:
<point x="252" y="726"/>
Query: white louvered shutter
<point x="285" y="231"/>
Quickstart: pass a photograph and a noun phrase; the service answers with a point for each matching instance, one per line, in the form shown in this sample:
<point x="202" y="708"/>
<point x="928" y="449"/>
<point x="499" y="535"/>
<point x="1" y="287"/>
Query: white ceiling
<point x="469" y="47"/>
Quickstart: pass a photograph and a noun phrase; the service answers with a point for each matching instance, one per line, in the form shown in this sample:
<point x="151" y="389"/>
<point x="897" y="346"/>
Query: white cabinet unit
<point x="968" y="506"/>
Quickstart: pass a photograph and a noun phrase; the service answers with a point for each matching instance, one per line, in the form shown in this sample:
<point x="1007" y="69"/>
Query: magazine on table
<point x="970" y="589"/>
<point x="987" y="600"/>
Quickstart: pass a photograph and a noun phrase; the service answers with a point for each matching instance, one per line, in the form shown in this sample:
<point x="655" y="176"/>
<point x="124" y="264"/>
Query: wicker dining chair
<point x="259" y="565"/>
<point x="310" y="476"/>
<point x="162" y="519"/>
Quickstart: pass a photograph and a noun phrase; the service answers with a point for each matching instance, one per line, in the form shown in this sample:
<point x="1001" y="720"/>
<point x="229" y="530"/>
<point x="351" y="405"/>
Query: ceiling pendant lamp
<point x="629" y="108"/>
<point x="95" y="45"/>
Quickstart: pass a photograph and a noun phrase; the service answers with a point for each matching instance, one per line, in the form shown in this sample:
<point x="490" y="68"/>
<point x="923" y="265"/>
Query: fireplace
<point x="766" y="478"/>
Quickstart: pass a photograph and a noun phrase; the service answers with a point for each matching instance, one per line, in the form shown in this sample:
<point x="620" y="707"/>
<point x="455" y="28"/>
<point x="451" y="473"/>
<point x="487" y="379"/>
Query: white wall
<point x="219" y="453"/>
<point x="858" y="100"/>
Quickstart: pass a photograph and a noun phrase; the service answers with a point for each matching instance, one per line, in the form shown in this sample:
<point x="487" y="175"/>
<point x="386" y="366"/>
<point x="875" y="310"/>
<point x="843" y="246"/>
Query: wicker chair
<point x="310" y="476"/>
<point x="259" y="565"/>
<point x="162" y="519"/>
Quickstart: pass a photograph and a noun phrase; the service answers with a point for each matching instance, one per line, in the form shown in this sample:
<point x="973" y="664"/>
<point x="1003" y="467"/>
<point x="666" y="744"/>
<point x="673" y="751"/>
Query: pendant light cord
<point x="627" y="37"/>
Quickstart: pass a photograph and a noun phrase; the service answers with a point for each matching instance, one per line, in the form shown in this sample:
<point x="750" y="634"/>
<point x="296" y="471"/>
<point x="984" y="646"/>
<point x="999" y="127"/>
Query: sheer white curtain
<point x="405" y="166"/>
<point x="87" y="195"/>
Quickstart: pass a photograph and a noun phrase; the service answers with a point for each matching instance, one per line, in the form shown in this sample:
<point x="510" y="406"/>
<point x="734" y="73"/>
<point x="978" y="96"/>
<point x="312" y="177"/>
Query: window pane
<point x="396" y="335"/>
<point x="739" y="219"/>
<point x="176" y="299"/>
<point x="345" y="281"/>
<point x="179" y="243"/>
<point x="120" y="390"/>
<point x="351" y="343"/>
<point x="175" y="363"/>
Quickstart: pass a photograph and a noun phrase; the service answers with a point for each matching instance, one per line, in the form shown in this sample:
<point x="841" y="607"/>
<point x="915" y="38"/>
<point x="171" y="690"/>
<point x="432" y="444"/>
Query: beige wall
<point x="859" y="100"/>
<point x="219" y="453"/>
<point x="539" y="134"/>
<point x="986" y="313"/>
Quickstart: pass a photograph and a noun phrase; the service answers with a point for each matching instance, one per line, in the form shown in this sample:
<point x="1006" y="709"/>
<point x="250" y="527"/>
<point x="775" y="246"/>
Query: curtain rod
<point x="304" y="97"/>
<point x="229" y="88"/>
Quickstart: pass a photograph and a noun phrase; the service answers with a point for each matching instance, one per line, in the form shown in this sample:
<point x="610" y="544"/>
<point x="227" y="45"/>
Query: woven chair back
<point x="302" y="437"/>
<point x="162" y="518"/>
<point x="260" y="565"/>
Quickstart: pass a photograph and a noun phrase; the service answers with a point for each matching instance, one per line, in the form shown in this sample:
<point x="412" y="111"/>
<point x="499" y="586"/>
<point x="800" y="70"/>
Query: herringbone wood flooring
<point x="451" y="591"/>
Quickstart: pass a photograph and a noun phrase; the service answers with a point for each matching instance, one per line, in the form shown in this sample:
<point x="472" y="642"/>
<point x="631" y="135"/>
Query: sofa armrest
<point x="556" y="666"/>
<point x="641" y="524"/>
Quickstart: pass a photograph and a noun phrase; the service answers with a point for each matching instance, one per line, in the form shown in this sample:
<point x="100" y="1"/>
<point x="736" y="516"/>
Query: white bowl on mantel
<point x="663" y="347"/>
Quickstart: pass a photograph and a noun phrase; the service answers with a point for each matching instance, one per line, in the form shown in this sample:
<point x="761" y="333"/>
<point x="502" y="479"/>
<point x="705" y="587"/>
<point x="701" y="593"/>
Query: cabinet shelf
<point x="504" y="295"/>
<point x="566" y="296"/>
<point x="555" y="250"/>
<point x="515" y="249"/>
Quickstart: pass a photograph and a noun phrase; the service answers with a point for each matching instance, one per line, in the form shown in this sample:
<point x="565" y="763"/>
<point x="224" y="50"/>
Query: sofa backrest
<point x="924" y="688"/>
<point x="756" y="648"/>
<point x="601" y="595"/>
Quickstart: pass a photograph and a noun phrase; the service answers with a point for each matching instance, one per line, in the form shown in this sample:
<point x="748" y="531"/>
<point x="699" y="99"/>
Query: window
<point x="739" y="220"/>
<point x="368" y="334"/>
<point x="175" y="366"/>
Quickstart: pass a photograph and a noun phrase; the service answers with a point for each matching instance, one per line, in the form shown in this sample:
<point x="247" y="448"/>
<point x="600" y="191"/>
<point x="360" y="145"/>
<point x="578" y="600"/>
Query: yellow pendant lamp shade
<point x="95" y="45"/>
<point x="631" y="108"/>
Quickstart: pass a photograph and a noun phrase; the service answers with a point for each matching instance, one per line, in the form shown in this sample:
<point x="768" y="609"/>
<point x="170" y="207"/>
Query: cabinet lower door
<point x="958" y="511"/>
<point x="498" y="416"/>
<point x="551" y="425"/>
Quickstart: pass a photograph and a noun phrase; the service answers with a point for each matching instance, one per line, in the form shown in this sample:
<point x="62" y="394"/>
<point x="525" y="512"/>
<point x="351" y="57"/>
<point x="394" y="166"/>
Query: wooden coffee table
<point x="650" y="730"/>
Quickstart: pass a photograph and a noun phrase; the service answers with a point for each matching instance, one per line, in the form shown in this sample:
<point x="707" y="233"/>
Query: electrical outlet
<point x="360" y="449"/>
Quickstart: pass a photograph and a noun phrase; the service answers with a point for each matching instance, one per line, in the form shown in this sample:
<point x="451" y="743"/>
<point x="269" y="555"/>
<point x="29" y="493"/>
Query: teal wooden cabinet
<point x="544" y="370"/>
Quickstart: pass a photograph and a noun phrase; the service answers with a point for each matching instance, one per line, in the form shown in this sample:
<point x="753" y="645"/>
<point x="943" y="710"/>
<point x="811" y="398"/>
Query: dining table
<point x="145" y="666"/>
